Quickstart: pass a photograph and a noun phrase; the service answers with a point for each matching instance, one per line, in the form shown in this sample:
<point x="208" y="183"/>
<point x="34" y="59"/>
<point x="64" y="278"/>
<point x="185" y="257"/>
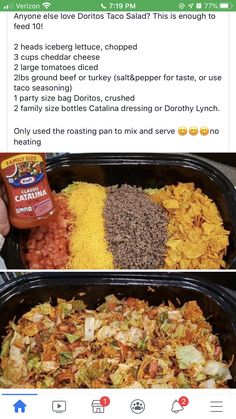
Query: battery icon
<point x="224" y="5"/>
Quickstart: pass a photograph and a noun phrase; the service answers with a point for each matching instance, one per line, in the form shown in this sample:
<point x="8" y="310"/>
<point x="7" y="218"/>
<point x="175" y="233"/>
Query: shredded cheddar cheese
<point x="88" y="246"/>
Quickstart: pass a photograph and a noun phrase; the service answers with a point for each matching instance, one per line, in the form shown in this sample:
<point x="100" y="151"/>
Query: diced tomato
<point x="35" y="265"/>
<point x="61" y="222"/>
<point x="153" y="369"/>
<point x="45" y="252"/>
<point x="31" y="244"/>
<point x="29" y="257"/>
<point x="38" y="235"/>
<point x="58" y="233"/>
<point x="48" y="265"/>
<point x="38" y="253"/>
<point x="40" y="245"/>
<point x="111" y="306"/>
<point x="152" y="314"/>
<point x="48" y="246"/>
<point x="131" y="302"/>
<point x="64" y="261"/>
<point x="43" y="229"/>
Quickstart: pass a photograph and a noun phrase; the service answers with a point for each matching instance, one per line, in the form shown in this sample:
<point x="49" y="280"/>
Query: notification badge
<point x="105" y="401"/>
<point x="179" y="405"/>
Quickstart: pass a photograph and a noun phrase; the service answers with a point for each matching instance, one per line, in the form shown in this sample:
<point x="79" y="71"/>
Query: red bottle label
<point x="25" y="175"/>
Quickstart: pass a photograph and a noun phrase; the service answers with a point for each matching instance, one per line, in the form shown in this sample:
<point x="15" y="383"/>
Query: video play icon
<point x="59" y="406"/>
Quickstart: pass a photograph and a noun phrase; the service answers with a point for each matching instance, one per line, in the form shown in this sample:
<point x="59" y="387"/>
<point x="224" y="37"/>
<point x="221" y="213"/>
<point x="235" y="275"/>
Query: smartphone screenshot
<point x="117" y="209"/>
<point x="137" y="77"/>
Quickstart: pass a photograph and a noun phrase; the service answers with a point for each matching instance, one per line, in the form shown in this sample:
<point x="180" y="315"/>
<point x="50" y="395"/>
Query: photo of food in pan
<point x="132" y="212"/>
<point x="176" y="227"/>
<point x="175" y="336"/>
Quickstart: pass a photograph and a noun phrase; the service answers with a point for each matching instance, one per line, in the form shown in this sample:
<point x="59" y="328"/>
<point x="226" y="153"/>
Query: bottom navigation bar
<point x="117" y="403"/>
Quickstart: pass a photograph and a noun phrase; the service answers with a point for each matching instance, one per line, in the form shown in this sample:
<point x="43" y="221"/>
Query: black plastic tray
<point x="147" y="171"/>
<point x="22" y="294"/>
<point x="225" y="158"/>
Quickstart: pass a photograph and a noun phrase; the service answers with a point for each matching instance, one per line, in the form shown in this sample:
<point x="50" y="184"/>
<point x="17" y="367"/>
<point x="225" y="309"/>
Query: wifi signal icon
<point x="46" y="5"/>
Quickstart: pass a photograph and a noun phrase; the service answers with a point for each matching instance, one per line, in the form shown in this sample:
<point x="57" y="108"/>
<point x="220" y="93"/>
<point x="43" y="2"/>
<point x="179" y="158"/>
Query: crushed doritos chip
<point x="197" y="237"/>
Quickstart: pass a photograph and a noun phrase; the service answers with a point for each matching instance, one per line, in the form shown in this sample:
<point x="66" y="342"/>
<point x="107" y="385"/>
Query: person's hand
<point x="4" y="220"/>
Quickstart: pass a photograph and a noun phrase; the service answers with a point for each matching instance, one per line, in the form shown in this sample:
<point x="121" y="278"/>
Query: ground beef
<point x="38" y="348"/>
<point x="136" y="228"/>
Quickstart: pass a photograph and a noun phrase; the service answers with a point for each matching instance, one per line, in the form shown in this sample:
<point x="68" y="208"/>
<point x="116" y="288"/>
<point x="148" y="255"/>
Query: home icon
<point x="19" y="407"/>
<point x="97" y="407"/>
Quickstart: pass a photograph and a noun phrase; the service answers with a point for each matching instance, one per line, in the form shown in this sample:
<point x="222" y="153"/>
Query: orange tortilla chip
<point x="197" y="237"/>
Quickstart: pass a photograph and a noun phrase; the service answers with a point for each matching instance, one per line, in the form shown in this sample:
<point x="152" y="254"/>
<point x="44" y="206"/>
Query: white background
<point x="164" y="46"/>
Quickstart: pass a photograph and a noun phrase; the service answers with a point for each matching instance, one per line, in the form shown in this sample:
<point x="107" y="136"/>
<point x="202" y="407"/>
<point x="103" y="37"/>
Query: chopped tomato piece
<point x="153" y="369"/>
<point x="48" y="245"/>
